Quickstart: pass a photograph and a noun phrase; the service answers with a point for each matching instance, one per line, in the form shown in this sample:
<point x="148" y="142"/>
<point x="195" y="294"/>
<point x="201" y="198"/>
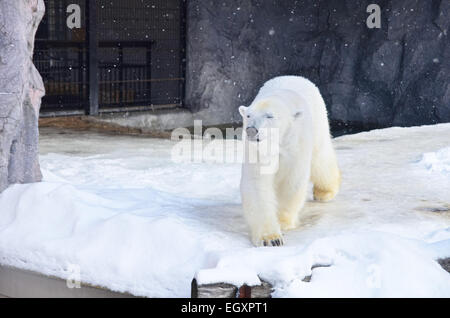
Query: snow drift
<point x="133" y="221"/>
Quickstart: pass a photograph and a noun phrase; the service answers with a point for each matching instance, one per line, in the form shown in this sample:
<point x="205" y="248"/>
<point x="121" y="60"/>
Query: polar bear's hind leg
<point x="325" y="174"/>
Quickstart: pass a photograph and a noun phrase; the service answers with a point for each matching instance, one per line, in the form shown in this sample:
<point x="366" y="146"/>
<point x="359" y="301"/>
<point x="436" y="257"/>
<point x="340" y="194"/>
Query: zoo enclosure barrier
<point x="124" y="56"/>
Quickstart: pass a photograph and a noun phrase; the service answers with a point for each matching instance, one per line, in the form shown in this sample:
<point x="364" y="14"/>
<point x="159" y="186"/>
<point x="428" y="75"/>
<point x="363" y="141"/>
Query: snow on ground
<point x="438" y="161"/>
<point x="132" y="220"/>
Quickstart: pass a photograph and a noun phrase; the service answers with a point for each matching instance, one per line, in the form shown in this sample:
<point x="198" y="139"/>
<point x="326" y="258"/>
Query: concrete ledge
<point x="17" y="283"/>
<point x="86" y="123"/>
<point x="150" y="121"/>
<point x="158" y="123"/>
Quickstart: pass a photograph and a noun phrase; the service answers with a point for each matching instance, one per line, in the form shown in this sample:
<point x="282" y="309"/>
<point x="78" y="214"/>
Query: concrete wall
<point x="17" y="283"/>
<point x="396" y="75"/>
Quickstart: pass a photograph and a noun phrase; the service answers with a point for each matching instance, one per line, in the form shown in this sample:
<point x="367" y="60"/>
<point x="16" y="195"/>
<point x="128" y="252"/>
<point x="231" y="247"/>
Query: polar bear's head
<point x="266" y="115"/>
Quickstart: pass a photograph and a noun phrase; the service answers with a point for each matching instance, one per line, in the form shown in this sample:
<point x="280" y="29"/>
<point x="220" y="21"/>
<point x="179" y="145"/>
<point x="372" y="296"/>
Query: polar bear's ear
<point x="242" y="110"/>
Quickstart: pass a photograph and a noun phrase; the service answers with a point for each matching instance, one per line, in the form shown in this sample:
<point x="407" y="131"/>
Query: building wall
<point x="396" y="75"/>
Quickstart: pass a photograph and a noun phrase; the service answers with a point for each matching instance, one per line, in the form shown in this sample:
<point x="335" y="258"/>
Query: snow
<point x="228" y="275"/>
<point x="132" y="220"/>
<point x="438" y="161"/>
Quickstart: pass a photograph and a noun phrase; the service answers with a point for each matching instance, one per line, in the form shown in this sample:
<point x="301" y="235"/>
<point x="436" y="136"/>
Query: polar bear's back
<point x="295" y="83"/>
<point x="300" y="85"/>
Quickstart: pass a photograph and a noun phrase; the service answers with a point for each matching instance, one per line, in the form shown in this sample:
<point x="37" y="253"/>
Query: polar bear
<point x="293" y="107"/>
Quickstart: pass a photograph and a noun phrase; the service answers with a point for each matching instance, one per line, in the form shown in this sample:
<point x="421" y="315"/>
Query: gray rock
<point x="445" y="263"/>
<point x="21" y="89"/>
<point x="396" y="75"/>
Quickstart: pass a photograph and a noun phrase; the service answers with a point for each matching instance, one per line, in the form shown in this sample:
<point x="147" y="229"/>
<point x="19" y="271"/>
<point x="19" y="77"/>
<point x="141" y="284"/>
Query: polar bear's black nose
<point x="251" y="132"/>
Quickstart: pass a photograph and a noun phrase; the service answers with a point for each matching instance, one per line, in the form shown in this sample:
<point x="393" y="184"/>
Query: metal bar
<point x="121" y="68"/>
<point x="138" y="108"/>
<point x="102" y="44"/>
<point x="183" y="43"/>
<point x="93" y="69"/>
<point x="150" y="80"/>
<point x="149" y="73"/>
<point x="80" y="75"/>
<point x="108" y="44"/>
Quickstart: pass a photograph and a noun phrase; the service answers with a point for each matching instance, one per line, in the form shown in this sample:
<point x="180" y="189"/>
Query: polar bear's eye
<point x="269" y="116"/>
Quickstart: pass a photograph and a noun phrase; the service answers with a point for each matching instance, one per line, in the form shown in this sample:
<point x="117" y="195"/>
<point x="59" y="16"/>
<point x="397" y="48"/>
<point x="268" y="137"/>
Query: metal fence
<point x="137" y="62"/>
<point x="63" y="67"/>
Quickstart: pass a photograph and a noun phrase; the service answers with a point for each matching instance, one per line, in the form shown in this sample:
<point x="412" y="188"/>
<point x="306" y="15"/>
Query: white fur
<point x="272" y="201"/>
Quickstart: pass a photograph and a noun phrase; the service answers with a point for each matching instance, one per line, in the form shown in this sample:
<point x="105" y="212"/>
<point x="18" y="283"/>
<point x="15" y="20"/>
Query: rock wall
<point x="21" y="89"/>
<point x="396" y="75"/>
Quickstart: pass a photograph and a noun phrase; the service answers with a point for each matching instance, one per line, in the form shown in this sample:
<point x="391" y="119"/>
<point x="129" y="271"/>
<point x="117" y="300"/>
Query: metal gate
<point x="111" y="55"/>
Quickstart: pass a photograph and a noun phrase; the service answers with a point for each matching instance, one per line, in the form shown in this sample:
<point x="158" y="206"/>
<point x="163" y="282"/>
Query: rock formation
<point x="21" y="89"/>
<point x="396" y="75"/>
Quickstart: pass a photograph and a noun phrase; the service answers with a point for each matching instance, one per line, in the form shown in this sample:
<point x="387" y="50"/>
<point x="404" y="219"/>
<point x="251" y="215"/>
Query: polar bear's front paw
<point x="271" y="240"/>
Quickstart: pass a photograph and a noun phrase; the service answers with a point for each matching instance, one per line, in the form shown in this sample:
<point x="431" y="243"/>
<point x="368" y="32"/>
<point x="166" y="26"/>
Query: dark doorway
<point x="139" y="56"/>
